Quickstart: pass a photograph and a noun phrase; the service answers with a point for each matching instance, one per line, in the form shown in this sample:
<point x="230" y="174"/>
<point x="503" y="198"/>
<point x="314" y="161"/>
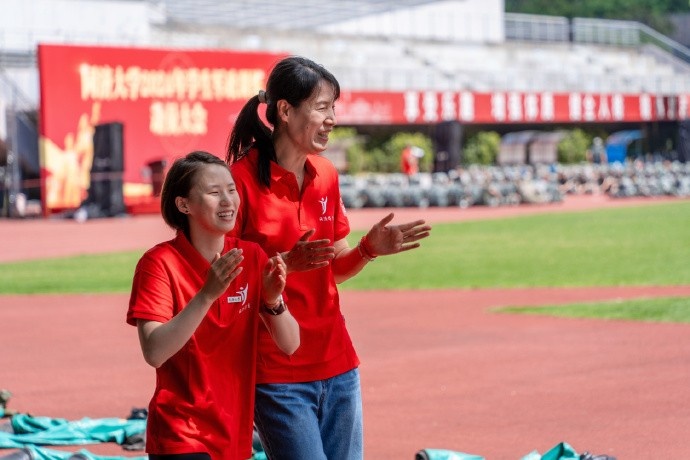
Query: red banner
<point x="169" y="101"/>
<point x="424" y="107"/>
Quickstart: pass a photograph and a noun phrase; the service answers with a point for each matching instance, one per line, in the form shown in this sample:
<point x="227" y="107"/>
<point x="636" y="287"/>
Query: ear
<point x="283" y="107"/>
<point x="181" y="204"/>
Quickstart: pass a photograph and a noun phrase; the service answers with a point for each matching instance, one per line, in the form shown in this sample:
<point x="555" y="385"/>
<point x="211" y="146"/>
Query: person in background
<point x="409" y="160"/>
<point x="308" y="405"/>
<point x="196" y="301"/>
<point x="597" y="153"/>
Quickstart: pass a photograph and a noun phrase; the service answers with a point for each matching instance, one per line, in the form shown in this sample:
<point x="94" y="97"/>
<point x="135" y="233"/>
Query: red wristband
<point x="365" y="250"/>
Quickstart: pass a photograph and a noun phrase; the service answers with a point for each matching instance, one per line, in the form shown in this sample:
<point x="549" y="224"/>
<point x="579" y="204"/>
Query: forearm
<point x="284" y="330"/>
<point x="160" y="341"/>
<point x="348" y="262"/>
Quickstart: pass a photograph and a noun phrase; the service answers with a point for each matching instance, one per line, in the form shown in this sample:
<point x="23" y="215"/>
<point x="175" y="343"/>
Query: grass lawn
<point x="627" y="246"/>
<point x="665" y="309"/>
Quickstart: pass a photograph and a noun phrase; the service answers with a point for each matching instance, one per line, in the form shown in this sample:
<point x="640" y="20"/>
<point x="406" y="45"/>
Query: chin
<point x="227" y="226"/>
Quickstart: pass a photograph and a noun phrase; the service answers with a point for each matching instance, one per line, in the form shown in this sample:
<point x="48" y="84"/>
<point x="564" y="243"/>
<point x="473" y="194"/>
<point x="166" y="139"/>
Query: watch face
<point x="277" y="310"/>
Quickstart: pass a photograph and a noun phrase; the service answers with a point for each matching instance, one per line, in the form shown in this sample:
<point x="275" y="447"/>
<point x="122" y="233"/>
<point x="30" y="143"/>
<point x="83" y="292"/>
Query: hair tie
<point x="263" y="97"/>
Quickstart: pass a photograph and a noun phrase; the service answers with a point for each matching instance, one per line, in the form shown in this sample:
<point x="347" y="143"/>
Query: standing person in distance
<point x="308" y="406"/>
<point x="409" y="160"/>
<point x="196" y="301"/>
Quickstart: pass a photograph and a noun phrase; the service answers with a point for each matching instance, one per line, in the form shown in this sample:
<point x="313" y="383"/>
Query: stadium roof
<point x="278" y="14"/>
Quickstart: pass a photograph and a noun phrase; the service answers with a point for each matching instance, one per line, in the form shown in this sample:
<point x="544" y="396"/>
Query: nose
<point x="330" y="117"/>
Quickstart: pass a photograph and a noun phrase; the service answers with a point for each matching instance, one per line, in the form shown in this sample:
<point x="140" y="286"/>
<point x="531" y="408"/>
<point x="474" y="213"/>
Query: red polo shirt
<point x="276" y="219"/>
<point x="204" y="396"/>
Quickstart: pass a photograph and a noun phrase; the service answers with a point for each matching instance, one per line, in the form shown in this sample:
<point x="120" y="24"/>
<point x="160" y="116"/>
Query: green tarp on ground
<point x="29" y="432"/>
<point x="46" y="431"/>
<point x="40" y="453"/>
<point x="442" y="454"/>
<point x="562" y="451"/>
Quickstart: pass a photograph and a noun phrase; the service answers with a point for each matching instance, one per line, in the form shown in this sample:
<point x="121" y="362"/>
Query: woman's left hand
<point x="385" y="239"/>
<point x="274" y="275"/>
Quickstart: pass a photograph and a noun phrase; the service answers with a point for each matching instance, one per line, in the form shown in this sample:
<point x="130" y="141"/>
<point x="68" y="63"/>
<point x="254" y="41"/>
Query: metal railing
<point x="536" y="28"/>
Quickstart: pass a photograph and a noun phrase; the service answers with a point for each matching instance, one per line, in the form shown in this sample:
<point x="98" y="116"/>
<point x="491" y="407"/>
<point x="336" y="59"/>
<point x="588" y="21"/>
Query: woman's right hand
<point x="308" y="255"/>
<point x="223" y="270"/>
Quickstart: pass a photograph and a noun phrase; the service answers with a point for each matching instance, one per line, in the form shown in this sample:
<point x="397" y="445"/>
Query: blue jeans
<point x="320" y="420"/>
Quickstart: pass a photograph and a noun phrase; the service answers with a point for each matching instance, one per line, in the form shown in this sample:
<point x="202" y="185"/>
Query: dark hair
<point x="294" y="79"/>
<point x="178" y="182"/>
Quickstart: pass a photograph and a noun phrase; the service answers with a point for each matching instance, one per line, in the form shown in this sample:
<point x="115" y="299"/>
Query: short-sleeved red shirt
<point x="276" y="219"/>
<point x="204" y="396"/>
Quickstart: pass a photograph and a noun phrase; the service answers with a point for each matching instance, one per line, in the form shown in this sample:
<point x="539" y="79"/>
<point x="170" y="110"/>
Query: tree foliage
<point x="573" y="147"/>
<point x="379" y="154"/>
<point x="482" y="148"/>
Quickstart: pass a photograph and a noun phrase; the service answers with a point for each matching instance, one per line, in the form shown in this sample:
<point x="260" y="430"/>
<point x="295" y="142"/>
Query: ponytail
<point x="249" y="131"/>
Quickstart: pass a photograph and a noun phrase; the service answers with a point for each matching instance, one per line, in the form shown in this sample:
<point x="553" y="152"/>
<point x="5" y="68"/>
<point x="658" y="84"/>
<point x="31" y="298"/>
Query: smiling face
<point x="211" y="206"/>
<point x="309" y="124"/>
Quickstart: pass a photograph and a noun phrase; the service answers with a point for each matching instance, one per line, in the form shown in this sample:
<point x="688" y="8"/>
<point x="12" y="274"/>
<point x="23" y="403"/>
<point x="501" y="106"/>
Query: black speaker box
<point x="108" y="154"/>
<point x="106" y="197"/>
<point x="448" y="139"/>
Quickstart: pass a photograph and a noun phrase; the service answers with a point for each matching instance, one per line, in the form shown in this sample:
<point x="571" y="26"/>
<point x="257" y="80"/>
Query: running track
<point x="439" y="370"/>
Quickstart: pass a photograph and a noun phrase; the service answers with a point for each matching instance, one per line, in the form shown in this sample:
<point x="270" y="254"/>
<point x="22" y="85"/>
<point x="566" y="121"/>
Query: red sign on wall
<point x="170" y="102"/>
<point x="425" y="107"/>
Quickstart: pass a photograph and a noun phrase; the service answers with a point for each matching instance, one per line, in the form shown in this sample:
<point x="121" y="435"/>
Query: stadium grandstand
<point x="448" y="67"/>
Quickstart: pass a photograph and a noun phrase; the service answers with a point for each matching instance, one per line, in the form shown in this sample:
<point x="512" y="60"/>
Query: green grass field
<point x="647" y="245"/>
<point x="666" y="309"/>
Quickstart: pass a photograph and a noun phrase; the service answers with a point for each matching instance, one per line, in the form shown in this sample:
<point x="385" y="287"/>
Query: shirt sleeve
<point x="151" y="297"/>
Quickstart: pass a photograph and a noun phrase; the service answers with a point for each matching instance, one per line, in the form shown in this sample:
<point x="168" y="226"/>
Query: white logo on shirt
<point x="323" y="201"/>
<point x="240" y="297"/>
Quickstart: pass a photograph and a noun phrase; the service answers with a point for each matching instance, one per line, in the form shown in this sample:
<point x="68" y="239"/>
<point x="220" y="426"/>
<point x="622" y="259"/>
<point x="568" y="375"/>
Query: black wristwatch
<point x="277" y="310"/>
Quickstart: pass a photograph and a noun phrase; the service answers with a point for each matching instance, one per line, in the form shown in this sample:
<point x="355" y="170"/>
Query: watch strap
<point x="276" y="310"/>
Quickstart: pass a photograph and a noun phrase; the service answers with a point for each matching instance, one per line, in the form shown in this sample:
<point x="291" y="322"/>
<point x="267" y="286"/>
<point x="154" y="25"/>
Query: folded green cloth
<point x="441" y="454"/>
<point x="41" y="453"/>
<point x="46" y="431"/>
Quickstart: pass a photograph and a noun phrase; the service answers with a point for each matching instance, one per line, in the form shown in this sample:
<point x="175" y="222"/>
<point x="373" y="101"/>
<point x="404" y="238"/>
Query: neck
<point x="208" y="245"/>
<point x="289" y="158"/>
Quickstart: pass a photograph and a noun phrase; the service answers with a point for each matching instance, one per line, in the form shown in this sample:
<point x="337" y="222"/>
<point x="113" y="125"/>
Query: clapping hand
<point x="384" y="239"/>
<point x="223" y="270"/>
<point x="274" y="275"/>
<point x="308" y="255"/>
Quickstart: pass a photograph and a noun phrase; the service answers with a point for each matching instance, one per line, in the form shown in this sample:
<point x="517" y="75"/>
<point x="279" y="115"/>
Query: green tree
<point x="573" y="147"/>
<point x="482" y="148"/>
<point x="352" y="143"/>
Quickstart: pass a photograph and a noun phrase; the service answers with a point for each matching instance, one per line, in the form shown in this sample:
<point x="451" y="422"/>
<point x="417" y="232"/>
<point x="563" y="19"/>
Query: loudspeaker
<point x="448" y="139"/>
<point x="105" y="198"/>
<point x="108" y="154"/>
<point x="107" y="195"/>
<point x="683" y="146"/>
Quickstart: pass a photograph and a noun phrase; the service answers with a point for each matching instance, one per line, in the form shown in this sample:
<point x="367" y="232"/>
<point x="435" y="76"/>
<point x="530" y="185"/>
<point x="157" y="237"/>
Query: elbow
<point x="292" y="347"/>
<point x="153" y="360"/>
<point x="289" y="347"/>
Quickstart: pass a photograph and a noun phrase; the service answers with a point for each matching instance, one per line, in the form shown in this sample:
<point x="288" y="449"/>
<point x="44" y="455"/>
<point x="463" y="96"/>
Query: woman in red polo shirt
<point x="308" y="405"/>
<point x="196" y="301"/>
